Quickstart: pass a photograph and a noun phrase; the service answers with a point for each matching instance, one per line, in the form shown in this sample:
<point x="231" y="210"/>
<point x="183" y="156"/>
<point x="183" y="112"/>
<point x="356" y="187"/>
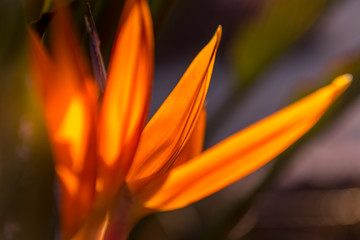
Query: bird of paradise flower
<point x="114" y="169"/>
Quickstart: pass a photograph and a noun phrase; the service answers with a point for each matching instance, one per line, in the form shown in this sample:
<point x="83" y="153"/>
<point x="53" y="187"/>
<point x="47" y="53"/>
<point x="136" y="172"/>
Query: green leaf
<point x="276" y="27"/>
<point x="27" y="201"/>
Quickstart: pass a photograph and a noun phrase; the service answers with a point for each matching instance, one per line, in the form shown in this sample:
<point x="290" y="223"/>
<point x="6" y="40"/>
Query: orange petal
<point x="68" y="96"/>
<point x="127" y="92"/>
<point x="192" y="148"/>
<point x="196" y="141"/>
<point x="73" y="68"/>
<point x="242" y="153"/>
<point x="169" y="129"/>
<point x="41" y="66"/>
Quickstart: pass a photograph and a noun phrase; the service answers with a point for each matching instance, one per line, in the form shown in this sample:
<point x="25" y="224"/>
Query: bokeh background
<point x="272" y="53"/>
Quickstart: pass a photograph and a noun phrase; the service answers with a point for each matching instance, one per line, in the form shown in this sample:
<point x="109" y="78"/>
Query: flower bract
<point x="114" y="168"/>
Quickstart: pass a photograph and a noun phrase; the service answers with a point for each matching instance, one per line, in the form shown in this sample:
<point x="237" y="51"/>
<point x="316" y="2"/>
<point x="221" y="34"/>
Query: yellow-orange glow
<point x="73" y="132"/>
<point x="99" y="185"/>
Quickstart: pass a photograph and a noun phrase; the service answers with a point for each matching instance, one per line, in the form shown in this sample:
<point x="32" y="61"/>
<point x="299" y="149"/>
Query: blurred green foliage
<point x="160" y="10"/>
<point x="27" y="203"/>
<point x="270" y="33"/>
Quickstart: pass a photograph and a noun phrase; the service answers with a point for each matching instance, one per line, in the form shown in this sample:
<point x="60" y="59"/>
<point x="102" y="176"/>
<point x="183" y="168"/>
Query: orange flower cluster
<point x="112" y="166"/>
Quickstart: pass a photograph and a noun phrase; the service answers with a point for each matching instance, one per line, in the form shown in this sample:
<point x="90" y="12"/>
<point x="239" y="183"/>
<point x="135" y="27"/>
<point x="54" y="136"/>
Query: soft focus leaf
<point x="160" y="10"/>
<point x="12" y="30"/>
<point x="270" y="33"/>
<point x="27" y="204"/>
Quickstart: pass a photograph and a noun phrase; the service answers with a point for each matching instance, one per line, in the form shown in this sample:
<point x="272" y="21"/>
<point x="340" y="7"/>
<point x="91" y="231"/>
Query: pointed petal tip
<point x="215" y="40"/>
<point x="218" y="34"/>
<point x="343" y="80"/>
<point x="219" y="31"/>
<point x="341" y="83"/>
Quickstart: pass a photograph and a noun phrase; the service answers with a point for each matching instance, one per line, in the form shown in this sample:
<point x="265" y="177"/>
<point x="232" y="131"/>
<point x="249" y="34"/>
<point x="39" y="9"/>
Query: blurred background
<point x="272" y="53"/>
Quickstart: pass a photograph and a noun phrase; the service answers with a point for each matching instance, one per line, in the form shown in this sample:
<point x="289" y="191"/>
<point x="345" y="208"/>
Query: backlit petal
<point x="68" y="95"/>
<point x="127" y="92"/>
<point x="169" y="129"/>
<point x="196" y="141"/>
<point x="242" y="153"/>
<point x="72" y="66"/>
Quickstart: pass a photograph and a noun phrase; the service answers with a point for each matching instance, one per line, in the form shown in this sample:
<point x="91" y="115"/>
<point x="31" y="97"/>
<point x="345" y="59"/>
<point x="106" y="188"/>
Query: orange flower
<point x="112" y="168"/>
